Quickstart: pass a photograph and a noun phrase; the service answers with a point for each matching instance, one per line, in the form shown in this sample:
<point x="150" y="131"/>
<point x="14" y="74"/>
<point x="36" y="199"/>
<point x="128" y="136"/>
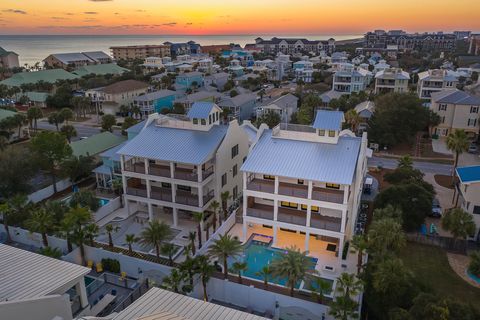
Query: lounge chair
<point x="99" y="267"/>
<point x="90" y="264"/>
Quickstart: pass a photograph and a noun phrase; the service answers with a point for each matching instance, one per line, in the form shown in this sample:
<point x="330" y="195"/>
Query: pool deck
<point x="459" y="264"/>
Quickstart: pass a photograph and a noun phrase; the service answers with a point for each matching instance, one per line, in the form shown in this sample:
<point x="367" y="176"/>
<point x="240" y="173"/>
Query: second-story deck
<point x="187" y="174"/>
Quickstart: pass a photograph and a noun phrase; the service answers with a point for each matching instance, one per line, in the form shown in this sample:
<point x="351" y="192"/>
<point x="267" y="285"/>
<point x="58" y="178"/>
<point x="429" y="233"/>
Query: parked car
<point x="436" y="209"/>
<point x="472" y="148"/>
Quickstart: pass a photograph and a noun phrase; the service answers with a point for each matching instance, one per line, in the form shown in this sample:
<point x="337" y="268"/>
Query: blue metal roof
<point x="137" y="127"/>
<point x="468" y="174"/>
<point x="200" y="110"/>
<point x="103" y="169"/>
<point x="455" y="96"/>
<point x="112" y="153"/>
<point x="175" y="145"/>
<point x="334" y="163"/>
<point x="328" y="120"/>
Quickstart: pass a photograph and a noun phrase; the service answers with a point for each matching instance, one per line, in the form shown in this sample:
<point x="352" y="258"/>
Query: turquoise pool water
<point x="88" y="280"/>
<point x="473" y="277"/>
<point x="256" y="256"/>
<point x="101" y="201"/>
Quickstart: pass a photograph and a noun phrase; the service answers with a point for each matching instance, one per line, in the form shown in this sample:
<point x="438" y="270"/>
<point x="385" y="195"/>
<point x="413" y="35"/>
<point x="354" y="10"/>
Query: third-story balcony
<point x="261" y="185"/>
<point x="139" y="191"/>
<point x="325" y="222"/>
<point x="292" y="216"/>
<point x="187" y="198"/>
<point x="159" y="170"/>
<point x="327" y="195"/>
<point x="162" y="194"/>
<point x="293" y="190"/>
<point x="132" y="166"/>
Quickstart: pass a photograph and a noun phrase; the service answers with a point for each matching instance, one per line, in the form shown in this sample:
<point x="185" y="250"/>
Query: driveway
<point x="444" y="196"/>
<point x="440" y="146"/>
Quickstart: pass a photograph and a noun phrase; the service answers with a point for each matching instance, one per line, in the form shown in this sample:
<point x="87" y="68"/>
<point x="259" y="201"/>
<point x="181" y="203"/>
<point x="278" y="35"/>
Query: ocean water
<point x="35" y="48"/>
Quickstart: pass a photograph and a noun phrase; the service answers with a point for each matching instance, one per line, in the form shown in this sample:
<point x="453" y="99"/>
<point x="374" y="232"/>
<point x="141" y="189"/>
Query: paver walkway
<point x="459" y="264"/>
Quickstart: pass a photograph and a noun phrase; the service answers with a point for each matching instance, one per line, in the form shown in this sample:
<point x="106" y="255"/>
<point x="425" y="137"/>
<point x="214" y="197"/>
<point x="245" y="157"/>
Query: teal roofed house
<point x="100" y="69"/>
<point x="37" y="99"/>
<point x="95" y="144"/>
<point x="49" y="76"/>
<point x="155" y="101"/>
<point x="187" y="80"/>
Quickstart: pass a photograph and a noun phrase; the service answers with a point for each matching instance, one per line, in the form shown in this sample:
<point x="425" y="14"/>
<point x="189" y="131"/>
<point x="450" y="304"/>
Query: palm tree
<point x="385" y="236"/>
<point x="19" y="120"/>
<point x="50" y="252"/>
<point x="6" y="213"/>
<point x="14" y="208"/>
<point x="110" y="228"/>
<point x="405" y="162"/>
<point x="188" y="266"/>
<point x="239" y="267"/>
<point x="214" y="206"/>
<point x="169" y="249"/>
<point x="222" y="248"/>
<point x="293" y="265"/>
<point x="353" y="119"/>
<point x="205" y="270"/>
<point x="191" y="236"/>
<point x="41" y="221"/>
<point x="117" y="186"/>
<point x="69" y="132"/>
<point x="3" y="143"/>
<point x="130" y="239"/>
<point x="265" y="273"/>
<point x="319" y="288"/>
<point x="459" y="223"/>
<point x="225" y="196"/>
<point x="33" y="114"/>
<point x="174" y="280"/>
<point x="66" y="114"/>
<point x="348" y="285"/>
<point x="457" y="141"/>
<point x="360" y="244"/>
<point x="56" y="119"/>
<point x="198" y="217"/>
<point x="155" y="234"/>
<point x="344" y="308"/>
<point x="91" y="231"/>
<point x="78" y="219"/>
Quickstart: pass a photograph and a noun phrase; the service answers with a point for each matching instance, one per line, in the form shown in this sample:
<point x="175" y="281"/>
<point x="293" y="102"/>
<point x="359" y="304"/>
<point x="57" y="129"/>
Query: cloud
<point x="170" y="24"/>
<point x="90" y="12"/>
<point x="99" y="0"/>
<point x="68" y="14"/>
<point x="189" y="23"/>
<point x="58" y="18"/>
<point x="17" y="11"/>
<point x="140" y="10"/>
<point x="89" y="20"/>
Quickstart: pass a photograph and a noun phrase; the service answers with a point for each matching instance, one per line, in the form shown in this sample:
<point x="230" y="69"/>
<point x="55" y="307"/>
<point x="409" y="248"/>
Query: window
<point x="235" y="192"/>
<point x="244" y="159"/>
<point x="235" y="170"/>
<point x="321" y="133"/>
<point x="267" y="177"/>
<point x="333" y="186"/>
<point x="472" y="122"/>
<point x="442" y="119"/>
<point x="224" y="179"/>
<point x="300" y="181"/>
<point x="217" y="113"/>
<point x="234" y="151"/>
<point x="314" y="209"/>
<point x="473" y="109"/>
<point x="209" y="119"/>
<point x="304" y="207"/>
<point x="476" y="209"/>
<point x="195" y="121"/>
<point x="184" y="188"/>
<point x="203" y="122"/>
<point x="442" y="107"/>
<point x="289" y="204"/>
<point x="331" y="133"/>
<point x="166" y="185"/>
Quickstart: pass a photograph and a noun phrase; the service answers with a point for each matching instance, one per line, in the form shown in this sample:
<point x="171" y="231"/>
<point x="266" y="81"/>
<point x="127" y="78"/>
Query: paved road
<point x="425" y="167"/>
<point x="82" y="130"/>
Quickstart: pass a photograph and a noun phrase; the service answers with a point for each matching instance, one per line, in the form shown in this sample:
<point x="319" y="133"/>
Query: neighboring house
<point x="365" y="111"/>
<point x="179" y="165"/>
<point x="457" y="110"/>
<point x="14" y="133"/>
<point x="35" y="286"/>
<point x="217" y="80"/>
<point x="139" y="51"/>
<point x="110" y="98"/>
<point x="291" y="45"/>
<point x="94" y="145"/>
<point x="37" y="99"/>
<point x="8" y="59"/>
<point x="468" y="194"/>
<point x="177" y="49"/>
<point x="251" y="131"/>
<point x="351" y="80"/>
<point x="339" y="57"/>
<point x="153" y="64"/>
<point x="110" y="168"/>
<point x="155" y="101"/>
<point x="380" y="66"/>
<point x="302" y="185"/>
<point x="328" y="96"/>
<point x="285" y="106"/>
<point x="200" y="96"/>
<point x="235" y="67"/>
<point x="188" y="80"/>
<point x="435" y="80"/>
<point x="391" y="80"/>
<point x="241" y="107"/>
<point x="303" y="71"/>
<point x="76" y="59"/>
<point x="205" y="65"/>
<point x="49" y="76"/>
<point x="474" y="44"/>
<point x="100" y="69"/>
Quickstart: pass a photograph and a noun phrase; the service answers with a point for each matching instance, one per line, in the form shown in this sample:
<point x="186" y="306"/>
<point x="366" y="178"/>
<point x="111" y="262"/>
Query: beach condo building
<point x="302" y="187"/>
<point x="8" y="59"/>
<point x="391" y="80"/>
<point x="155" y="101"/>
<point x="139" y="51"/>
<point x="435" y="80"/>
<point x="177" y="165"/>
<point x="76" y="59"/>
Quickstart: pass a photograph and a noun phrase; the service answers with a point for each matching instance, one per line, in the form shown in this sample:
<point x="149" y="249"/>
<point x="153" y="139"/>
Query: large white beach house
<point x="302" y="187"/>
<point x="179" y="164"/>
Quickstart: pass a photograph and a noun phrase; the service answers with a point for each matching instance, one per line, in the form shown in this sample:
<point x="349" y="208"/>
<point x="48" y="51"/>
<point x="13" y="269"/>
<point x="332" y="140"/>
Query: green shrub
<point x="111" y="265"/>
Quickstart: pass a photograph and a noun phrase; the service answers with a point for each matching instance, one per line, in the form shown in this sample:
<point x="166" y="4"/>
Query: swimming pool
<point x="473" y="277"/>
<point x="257" y="256"/>
<point x="101" y="201"/>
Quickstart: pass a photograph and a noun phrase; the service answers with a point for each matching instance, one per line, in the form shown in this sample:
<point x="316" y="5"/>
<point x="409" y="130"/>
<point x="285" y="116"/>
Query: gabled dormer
<point x="203" y="115"/>
<point x="328" y="125"/>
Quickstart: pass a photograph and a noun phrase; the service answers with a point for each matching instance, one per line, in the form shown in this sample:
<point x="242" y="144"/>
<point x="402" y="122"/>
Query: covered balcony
<point x="135" y="165"/>
<point x="135" y="187"/>
<point x="327" y="195"/>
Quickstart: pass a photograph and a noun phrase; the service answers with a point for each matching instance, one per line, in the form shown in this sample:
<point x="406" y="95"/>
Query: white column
<point x="82" y="293"/>
<point x="175" y="217"/>
<point x="200" y="196"/>
<point x="275" y="210"/>
<point x="340" y="249"/>
<point x="344" y="218"/>
<point x="172" y="170"/>
<point x="127" y="205"/>
<point x="310" y="189"/>
<point x="345" y="194"/>
<point x="146" y="166"/>
<point x="122" y="164"/>
<point x="150" y="212"/>
<point x="199" y="173"/>
<point x="274" y="235"/>
<point x="244" y="231"/>
<point x="276" y="185"/>
<point x="244" y="181"/>
<point x="309" y="215"/>
<point x="307" y="241"/>
<point x="245" y="198"/>
<point x="148" y="188"/>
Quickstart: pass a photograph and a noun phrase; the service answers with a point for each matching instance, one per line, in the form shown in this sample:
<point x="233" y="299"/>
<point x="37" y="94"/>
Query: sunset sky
<point x="199" y="17"/>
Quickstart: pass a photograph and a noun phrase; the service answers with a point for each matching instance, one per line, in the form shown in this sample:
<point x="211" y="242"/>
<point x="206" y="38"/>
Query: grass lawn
<point x="430" y="265"/>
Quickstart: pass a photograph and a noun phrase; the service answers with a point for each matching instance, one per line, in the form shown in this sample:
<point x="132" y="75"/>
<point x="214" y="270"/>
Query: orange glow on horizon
<point x="247" y="17"/>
